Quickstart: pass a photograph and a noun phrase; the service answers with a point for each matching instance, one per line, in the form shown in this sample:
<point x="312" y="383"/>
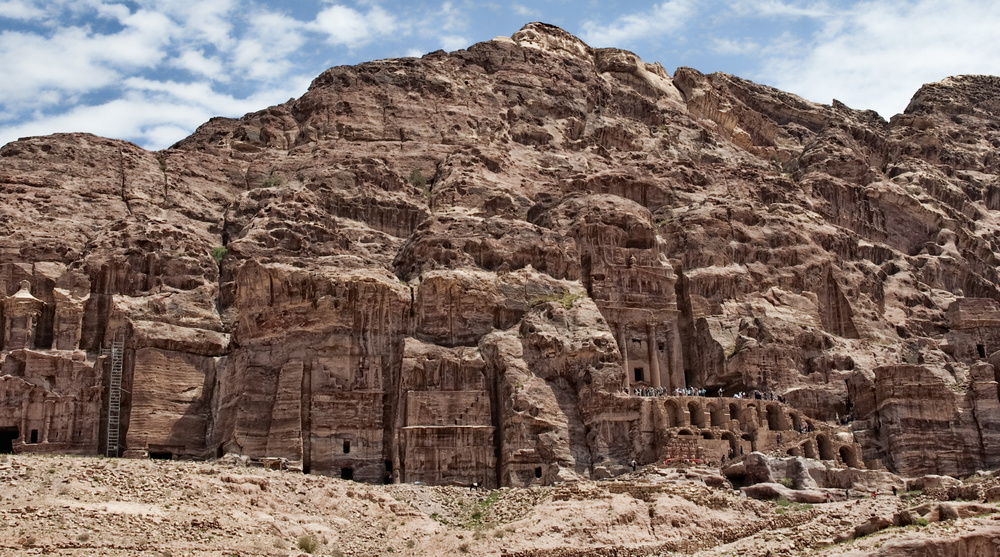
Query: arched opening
<point x="697" y="414"/>
<point x="685" y="432"/>
<point x="707" y="435"/>
<point x="794" y="451"/>
<point x="718" y="415"/>
<point x="734" y="411"/>
<point x="673" y="414"/>
<point x="825" y="448"/>
<point x="849" y="457"/>
<point x="749" y="438"/>
<point x="796" y="421"/>
<point x="7" y="436"/>
<point x="733" y="444"/>
<point x="774" y="418"/>
<point x="809" y="449"/>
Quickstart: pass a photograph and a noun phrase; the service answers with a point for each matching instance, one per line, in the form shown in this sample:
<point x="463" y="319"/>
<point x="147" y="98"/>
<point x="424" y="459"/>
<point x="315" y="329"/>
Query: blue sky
<point x="152" y="71"/>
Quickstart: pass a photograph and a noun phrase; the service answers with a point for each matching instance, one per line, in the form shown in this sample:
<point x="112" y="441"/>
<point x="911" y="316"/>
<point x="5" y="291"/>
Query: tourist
<point x="633" y="465"/>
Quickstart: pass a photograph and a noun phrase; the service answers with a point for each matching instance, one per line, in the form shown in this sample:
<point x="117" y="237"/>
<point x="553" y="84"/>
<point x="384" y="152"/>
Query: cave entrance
<point x="774" y="418"/>
<point x="347" y="473"/>
<point x="161" y="455"/>
<point x="808" y="449"/>
<point x="826" y="451"/>
<point x="981" y="349"/>
<point x="849" y="457"/>
<point x="7" y="436"/>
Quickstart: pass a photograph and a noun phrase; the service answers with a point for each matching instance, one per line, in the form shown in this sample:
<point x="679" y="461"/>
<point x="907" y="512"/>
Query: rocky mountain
<point x="522" y="263"/>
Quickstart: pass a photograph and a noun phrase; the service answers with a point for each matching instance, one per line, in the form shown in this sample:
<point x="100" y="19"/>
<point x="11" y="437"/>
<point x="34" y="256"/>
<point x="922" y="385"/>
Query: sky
<point x="151" y="71"/>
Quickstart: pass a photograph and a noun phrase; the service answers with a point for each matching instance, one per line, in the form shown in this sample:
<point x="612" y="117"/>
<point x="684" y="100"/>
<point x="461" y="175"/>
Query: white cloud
<point x="449" y="18"/>
<point x="777" y="8"/>
<point x="734" y="46"/>
<point x="197" y="63"/>
<point x="349" y="27"/>
<point x="154" y="114"/>
<point x="18" y="9"/>
<point x="263" y="52"/>
<point x="877" y="54"/>
<point x="454" y="42"/>
<point x="525" y="11"/>
<point x="64" y="63"/>
<point x="662" y="19"/>
<point x="208" y="21"/>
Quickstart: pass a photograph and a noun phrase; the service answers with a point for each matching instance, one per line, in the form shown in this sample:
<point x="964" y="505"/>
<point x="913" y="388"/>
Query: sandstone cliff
<point x="462" y="268"/>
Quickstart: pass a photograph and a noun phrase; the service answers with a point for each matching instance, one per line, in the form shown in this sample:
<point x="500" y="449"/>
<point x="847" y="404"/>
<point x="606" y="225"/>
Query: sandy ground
<point x="68" y="505"/>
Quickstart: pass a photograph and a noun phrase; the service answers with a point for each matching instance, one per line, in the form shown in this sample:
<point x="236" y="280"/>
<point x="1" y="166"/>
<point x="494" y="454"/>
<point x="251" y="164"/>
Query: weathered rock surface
<point x="521" y="263"/>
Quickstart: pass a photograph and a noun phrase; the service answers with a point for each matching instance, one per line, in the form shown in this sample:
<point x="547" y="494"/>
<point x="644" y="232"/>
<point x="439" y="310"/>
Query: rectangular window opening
<point x="347" y="447"/>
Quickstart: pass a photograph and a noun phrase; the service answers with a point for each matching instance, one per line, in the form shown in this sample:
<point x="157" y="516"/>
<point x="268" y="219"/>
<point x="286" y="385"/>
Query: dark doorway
<point x="982" y="350"/>
<point x="7" y="436"/>
<point x="638" y="374"/>
<point x="161" y="455"/>
<point x="347" y="473"/>
<point x="538" y="472"/>
<point x="34" y="436"/>
<point x="347" y="447"/>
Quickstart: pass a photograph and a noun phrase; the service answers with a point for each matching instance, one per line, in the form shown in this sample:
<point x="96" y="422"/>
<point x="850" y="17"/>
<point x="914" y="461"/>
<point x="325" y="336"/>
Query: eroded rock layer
<point x="524" y="262"/>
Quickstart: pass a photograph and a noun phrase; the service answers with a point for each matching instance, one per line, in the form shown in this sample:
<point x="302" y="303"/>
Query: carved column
<point x="654" y="357"/>
<point x="676" y="371"/>
<point x="624" y="348"/>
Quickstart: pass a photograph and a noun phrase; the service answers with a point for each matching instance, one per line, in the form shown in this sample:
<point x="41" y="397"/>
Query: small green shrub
<point x="417" y="178"/>
<point x="219" y="252"/>
<point x="308" y="544"/>
<point x="788" y="482"/>
<point x="566" y="299"/>
<point x="272" y="181"/>
<point x="922" y="521"/>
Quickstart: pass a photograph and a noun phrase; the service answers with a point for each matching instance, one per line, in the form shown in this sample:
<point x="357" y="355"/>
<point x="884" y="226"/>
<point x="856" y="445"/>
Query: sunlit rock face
<point x="521" y="263"/>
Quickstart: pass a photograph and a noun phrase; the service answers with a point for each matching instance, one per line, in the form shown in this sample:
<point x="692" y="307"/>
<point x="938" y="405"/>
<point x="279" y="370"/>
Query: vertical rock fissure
<point x="121" y="171"/>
